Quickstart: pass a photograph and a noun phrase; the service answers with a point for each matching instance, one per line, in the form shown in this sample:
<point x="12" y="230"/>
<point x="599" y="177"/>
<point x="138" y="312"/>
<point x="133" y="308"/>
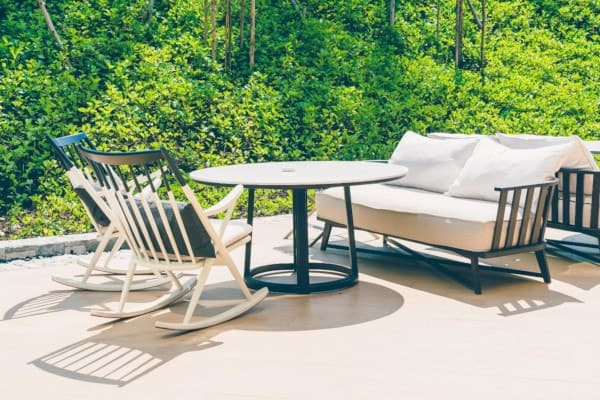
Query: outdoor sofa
<point x="459" y="194"/>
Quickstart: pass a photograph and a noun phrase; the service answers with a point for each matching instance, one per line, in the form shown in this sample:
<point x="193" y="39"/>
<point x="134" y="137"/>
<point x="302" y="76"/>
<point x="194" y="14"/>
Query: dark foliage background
<point x="333" y="81"/>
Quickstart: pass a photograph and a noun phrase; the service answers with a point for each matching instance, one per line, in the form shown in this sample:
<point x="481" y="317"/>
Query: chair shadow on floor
<point x="507" y="293"/>
<point x="61" y="300"/>
<point x="122" y="351"/>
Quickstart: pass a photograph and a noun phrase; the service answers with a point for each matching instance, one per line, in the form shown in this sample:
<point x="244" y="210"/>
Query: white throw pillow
<point x="446" y="135"/>
<point x="580" y="157"/>
<point x="432" y="164"/>
<point x="494" y="165"/>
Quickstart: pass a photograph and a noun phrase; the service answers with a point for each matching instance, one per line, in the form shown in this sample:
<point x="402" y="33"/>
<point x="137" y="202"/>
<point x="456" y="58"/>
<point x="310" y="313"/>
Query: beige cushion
<point x="579" y="158"/>
<point x="494" y="165"/>
<point x="414" y="214"/>
<point x="235" y="231"/>
<point x="432" y="164"/>
<point x="446" y="135"/>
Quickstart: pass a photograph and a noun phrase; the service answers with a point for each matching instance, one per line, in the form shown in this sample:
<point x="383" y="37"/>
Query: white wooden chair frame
<point x="127" y="212"/>
<point x="80" y="178"/>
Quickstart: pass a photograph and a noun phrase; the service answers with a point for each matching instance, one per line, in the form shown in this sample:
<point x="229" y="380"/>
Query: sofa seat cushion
<point x="416" y="215"/>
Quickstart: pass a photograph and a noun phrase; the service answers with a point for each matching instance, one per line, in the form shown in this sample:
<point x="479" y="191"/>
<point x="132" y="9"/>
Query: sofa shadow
<point x="122" y="351"/>
<point x="507" y="293"/>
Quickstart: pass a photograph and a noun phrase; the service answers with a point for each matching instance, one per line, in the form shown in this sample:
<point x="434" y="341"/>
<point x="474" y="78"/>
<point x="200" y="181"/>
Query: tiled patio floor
<point x="404" y="332"/>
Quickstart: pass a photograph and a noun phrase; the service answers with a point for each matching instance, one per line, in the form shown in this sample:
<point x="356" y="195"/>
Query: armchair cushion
<point x="96" y="213"/>
<point x="200" y="240"/>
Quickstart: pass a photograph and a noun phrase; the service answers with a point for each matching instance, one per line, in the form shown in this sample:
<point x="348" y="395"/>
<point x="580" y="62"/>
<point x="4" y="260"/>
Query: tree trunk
<point x="205" y="10"/>
<point x="392" y="12"/>
<point x="437" y="21"/>
<point x="458" y="42"/>
<point x="149" y="10"/>
<point x="242" y="21"/>
<point x="227" y="33"/>
<point x="252" y="31"/>
<point x="482" y="44"/>
<point x="213" y="22"/>
<point x="474" y="13"/>
<point x="50" y="25"/>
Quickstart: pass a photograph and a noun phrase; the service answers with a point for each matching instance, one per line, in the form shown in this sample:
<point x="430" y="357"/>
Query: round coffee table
<point x="301" y="275"/>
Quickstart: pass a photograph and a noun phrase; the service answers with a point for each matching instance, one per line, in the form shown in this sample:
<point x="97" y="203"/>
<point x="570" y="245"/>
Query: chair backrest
<point x="65" y="150"/>
<point x="162" y="223"/>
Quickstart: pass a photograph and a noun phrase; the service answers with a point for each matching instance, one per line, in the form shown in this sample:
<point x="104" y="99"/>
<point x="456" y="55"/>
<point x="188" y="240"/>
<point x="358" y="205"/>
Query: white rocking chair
<point x="95" y="206"/>
<point x="166" y="235"/>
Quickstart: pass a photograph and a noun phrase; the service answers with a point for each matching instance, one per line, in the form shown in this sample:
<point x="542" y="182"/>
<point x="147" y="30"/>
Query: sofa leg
<point x="475" y="275"/>
<point x="541" y="259"/>
<point x="325" y="234"/>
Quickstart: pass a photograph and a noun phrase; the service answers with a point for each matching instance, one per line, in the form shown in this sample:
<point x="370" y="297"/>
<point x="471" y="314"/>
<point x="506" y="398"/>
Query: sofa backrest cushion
<point x="494" y="165"/>
<point x="447" y="135"/>
<point x="580" y="157"/>
<point x="432" y="164"/>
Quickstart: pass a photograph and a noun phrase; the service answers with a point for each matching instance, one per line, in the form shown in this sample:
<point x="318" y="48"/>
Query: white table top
<point x="300" y="174"/>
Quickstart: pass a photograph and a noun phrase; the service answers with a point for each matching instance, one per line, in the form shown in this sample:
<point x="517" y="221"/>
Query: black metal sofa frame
<point x="562" y="217"/>
<point x="525" y="237"/>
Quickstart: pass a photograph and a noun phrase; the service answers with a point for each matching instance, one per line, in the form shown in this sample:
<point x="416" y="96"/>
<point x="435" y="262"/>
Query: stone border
<point x="78" y="244"/>
<point x="47" y="246"/>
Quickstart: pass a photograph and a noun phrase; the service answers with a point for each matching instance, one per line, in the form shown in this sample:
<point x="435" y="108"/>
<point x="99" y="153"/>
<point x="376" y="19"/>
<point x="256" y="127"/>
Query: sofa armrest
<point x="552" y="182"/>
<point x="527" y="221"/>
<point x="574" y="185"/>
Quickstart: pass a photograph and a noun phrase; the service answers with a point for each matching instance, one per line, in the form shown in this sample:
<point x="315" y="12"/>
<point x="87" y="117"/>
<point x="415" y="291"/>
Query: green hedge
<point x="336" y="83"/>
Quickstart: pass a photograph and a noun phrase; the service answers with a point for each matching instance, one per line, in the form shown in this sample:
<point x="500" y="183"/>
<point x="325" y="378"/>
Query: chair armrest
<point x="528" y="215"/>
<point x="552" y="182"/>
<point x="226" y="202"/>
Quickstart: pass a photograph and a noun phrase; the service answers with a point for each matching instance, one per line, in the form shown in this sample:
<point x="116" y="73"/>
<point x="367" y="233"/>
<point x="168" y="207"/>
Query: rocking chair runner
<point x="167" y="235"/>
<point x="95" y="206"/>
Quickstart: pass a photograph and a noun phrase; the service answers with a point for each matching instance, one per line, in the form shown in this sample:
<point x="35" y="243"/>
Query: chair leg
<point x="116" y="247"/>
<point x="326" y="233"/>
<point x="228" y="261"/>
<point x="541" y="259"/>
<point x="127" y="285"/>
<point x="475" y="275"/>
<point x="96" y="257"/>
<point x="197" y="292"/>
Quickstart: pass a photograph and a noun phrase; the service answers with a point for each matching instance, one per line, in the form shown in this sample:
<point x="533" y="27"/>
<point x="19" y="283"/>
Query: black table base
<point x="322" y="277"/>
<point x="302" y="276"/>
